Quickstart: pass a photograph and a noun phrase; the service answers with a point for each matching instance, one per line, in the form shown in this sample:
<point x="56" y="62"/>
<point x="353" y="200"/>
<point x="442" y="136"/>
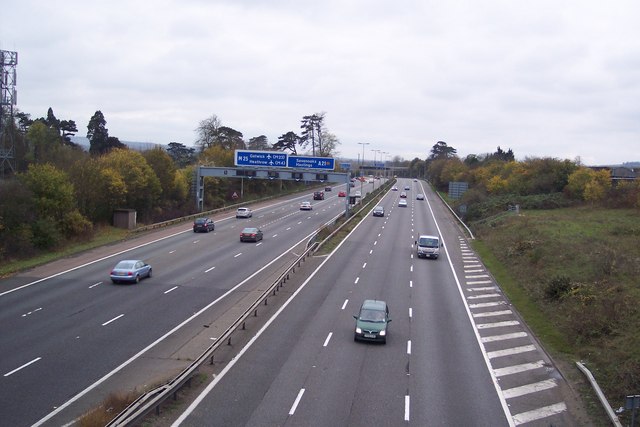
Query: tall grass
<point x="574" y="275"/>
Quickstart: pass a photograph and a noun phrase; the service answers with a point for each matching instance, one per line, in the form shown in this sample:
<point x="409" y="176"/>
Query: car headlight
<point x="358" y="331"/>
<point x="383" y="333"/>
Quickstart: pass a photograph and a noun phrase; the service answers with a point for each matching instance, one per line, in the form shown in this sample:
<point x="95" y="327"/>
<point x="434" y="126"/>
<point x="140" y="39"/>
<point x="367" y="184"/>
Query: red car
<point x="342" y="194"/>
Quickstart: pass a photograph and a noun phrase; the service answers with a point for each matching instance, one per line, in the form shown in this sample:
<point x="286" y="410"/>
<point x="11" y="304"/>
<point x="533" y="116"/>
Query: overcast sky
<point x="545" y="78"/>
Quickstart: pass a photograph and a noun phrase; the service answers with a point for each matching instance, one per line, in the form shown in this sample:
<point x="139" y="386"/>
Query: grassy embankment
<point x="573" y="274"/>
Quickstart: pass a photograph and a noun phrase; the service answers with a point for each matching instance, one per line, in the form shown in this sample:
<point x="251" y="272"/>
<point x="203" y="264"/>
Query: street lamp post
<point x="362" y="165"/>
<point x="384" y="163"/>
<point x="375" y="168"/>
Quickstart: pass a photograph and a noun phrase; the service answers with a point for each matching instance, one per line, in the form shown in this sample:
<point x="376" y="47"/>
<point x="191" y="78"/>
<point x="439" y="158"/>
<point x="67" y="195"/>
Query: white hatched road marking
<point x="477" y="280"/>
<point x="540" y="413"/>
<point x="484" y="288"/>
<point x="487" y="304"/>
<point x="529" y="388"/>
<point x="504" y="337"/>
<point x="516" y="369"/>
<point x="471" y="297"/>
<point x="493" y="313"/>
<point x="510" y="351"/>
<point x="497" y="324"/>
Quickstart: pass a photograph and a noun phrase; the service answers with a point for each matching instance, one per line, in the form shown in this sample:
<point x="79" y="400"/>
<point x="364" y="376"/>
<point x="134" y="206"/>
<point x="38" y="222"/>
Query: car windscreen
<point x="125" y="265"/>
<point x="200" y="221"/>
<point x="428" y="242"/>
<point x="372" y="315"/>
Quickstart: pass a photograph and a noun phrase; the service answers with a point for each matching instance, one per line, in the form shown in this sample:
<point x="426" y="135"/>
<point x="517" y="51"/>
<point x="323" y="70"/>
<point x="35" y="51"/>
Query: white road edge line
<point x="494" y="379"/>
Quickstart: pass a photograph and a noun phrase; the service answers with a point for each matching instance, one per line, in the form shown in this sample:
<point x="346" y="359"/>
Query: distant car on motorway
<point x="372" y="321"/>
<point x="342" y="194"/>
<point x="130" y="270"/>
<point x="251" y="234"/>
<point x="327" y="188"/>
<point x="403" y="195"/>
<point x="415" y="180"/>
<point x="394" y="188"/>
<point x="318" y="195"/>
<point x="420" y="196"/>
<point x="378" y="211"/>
<point x="306" y="206"/>
<point x="244" y="213"/>
<point x="402" y="203"/>
<point x="203" y="224"/>
<point x="407" y="188"/>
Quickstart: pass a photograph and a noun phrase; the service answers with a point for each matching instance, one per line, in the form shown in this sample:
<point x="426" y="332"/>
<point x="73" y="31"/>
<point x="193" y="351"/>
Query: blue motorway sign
<point x="325" y="163"/>
<point x="260" y="158"/>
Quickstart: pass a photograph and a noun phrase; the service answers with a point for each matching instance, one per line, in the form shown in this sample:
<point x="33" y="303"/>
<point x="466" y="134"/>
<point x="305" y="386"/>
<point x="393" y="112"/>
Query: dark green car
<point x="372" y="321"/>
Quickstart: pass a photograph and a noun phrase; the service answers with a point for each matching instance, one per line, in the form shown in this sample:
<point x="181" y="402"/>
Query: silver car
<point x="130" y="270"/>
<point x="244" y="213"/>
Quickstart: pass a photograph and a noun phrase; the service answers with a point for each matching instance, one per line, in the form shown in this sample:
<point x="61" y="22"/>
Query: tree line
<point x="61" y="193"/>
<point x="497" y="180"/>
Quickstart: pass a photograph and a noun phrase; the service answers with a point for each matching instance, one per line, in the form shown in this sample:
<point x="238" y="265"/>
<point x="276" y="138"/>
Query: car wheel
<point x="114" y="281"/>
<point x="137" y="278"/>
<point x="149" y="275"/>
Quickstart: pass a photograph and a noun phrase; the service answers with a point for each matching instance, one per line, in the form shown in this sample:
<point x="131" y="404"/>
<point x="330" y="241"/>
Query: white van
<point x="428" y="246"/>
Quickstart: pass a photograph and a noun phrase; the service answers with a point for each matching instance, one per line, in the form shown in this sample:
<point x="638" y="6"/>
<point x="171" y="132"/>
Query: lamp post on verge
<point x="362" y="164"/>
<point x="384" y="163"/>
<point x="375" y="168"/>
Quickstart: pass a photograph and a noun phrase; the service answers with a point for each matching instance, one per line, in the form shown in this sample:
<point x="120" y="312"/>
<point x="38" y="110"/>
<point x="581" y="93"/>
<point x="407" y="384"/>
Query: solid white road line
<point x="172" y="289"/>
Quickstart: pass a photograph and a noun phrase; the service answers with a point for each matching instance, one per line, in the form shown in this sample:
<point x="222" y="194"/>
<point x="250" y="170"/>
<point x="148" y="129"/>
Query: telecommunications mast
<point x="8" y="62"/>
